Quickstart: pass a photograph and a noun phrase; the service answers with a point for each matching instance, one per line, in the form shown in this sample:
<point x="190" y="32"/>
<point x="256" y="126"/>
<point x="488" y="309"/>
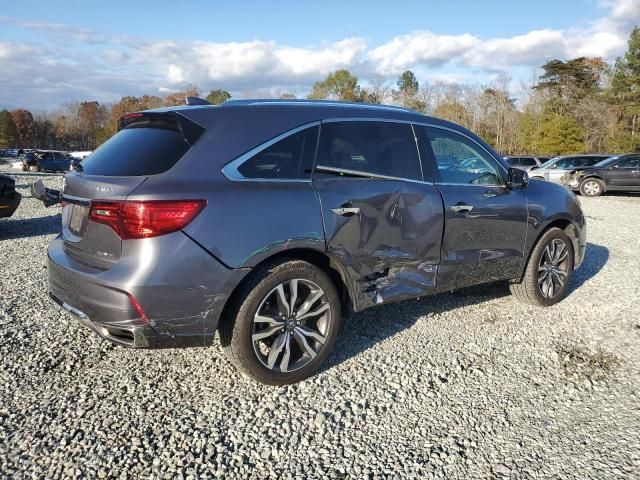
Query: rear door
<point x="382" y="222"/>
<point x="485" y="221"/>
<point x="60" y="161"/>
<point x="47" y="162"/>
<point x="147" y="145"/>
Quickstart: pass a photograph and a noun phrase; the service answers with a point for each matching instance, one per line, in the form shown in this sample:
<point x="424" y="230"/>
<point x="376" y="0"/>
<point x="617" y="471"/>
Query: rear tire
<point x="592" y="187"/>
<point x="548" y="271"/>
<point x="271" y="342"/>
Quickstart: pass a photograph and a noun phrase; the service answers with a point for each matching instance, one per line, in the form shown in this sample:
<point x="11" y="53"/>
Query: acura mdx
<point x="266" y="221"/>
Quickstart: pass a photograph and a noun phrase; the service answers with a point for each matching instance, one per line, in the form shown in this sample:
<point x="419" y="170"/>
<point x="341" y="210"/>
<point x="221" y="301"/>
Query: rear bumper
<point x="181" y="294"/>
<point x="8" y="205"/>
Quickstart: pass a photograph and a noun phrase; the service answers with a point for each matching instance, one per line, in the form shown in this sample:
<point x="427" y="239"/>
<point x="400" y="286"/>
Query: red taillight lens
<point x="147" y="218"/>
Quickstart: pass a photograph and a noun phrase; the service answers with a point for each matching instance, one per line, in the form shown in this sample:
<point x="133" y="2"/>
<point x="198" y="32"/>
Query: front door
<point x="625" y="173"/>
<point x="485" y="221"/>
<point x="383" y="224"/>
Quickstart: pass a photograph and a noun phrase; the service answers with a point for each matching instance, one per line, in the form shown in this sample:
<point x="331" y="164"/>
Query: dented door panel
<point x="390" y="248"/>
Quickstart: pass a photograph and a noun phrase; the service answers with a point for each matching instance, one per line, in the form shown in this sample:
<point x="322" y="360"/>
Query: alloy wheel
<point x="291" y="325"/>
<point x="553" y="268"/>
<point x="592" y="188"/>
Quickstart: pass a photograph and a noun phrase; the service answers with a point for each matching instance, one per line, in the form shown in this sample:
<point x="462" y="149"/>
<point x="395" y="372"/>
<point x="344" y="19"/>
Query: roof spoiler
<point x="196" y="101"/>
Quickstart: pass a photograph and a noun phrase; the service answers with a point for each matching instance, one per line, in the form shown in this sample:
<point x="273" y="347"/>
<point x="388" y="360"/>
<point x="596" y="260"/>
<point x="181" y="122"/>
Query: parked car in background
<point x="46" y="160"/>
<point x="80" y="155"/>
<point x="9" y="197"/>
<point x="524" y="162"/>
<point x="553" y="170"/>
<point x="619" y="173"/>
<point x="10" y="152"/>
<point x="265" y="220"/>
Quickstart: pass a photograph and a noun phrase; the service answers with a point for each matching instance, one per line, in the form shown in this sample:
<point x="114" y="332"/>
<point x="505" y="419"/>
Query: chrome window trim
<point x="230" y="170"/>
<point x="362" y="175"/>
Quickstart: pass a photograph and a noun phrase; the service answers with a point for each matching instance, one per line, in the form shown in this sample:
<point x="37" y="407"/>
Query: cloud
<point x="419" y="48"/>
<point x="532" y="48"/>
<point x="73" y="63"/>
<point x="59" y="30"/>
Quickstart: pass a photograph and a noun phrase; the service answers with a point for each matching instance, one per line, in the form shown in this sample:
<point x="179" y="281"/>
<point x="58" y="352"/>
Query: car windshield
<point x="606" y="161"/>
<point x="549" y="162"/>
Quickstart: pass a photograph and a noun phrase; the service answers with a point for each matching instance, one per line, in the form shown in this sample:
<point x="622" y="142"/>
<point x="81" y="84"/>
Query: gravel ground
<point x="464" y="385"/>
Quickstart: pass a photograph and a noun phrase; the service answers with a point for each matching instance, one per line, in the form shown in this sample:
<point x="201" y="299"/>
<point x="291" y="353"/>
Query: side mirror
<point x="517" y="178"/>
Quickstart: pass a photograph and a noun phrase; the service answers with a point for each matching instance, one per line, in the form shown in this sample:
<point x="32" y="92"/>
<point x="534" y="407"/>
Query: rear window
<point x="142" y="148"/>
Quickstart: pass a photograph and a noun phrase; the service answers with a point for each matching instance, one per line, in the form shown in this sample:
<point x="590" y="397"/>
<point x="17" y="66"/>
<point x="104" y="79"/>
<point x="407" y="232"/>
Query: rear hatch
<point x="148" y="143"/>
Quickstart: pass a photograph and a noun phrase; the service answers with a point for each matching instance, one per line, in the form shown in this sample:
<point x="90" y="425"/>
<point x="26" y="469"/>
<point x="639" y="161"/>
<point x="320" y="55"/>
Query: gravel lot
<point x="464" y="385"/>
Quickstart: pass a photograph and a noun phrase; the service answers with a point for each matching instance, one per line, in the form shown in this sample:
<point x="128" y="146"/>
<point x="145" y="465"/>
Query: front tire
<point x="548" y="271"/>
<point x="282" y="323"/>
<point x="592" y="187"/>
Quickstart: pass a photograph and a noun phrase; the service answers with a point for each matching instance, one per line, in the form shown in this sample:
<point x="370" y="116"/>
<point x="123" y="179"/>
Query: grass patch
<point x="578" y="361"/>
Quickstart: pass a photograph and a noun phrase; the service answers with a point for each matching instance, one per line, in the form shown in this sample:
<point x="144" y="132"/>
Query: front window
<point x="630" y="162"/>
<point x="461" y="161"/>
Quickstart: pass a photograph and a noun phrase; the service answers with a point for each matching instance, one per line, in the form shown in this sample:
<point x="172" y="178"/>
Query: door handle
<point x="490" y="194"/>
<point x="346" y="211"/>
<point x="461" y="208"/>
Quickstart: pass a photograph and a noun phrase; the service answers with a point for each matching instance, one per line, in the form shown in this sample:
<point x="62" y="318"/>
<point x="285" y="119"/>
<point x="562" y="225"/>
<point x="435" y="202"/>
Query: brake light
<point x="146" y="218"/>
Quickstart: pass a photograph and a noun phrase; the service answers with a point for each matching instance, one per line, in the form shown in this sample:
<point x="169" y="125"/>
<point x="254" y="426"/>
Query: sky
<point x="52" y="52"/>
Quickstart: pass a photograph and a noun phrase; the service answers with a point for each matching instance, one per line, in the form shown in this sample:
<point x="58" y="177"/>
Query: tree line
<point x="574" y="106"/>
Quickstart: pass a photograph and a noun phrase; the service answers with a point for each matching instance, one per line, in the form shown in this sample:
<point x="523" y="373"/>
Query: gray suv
<point x="554" y="170"/>
<point x="265" y="221"/>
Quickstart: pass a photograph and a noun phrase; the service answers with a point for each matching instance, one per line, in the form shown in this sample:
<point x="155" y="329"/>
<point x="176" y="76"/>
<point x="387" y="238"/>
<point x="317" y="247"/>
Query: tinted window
<point x="136" y="151"/>
<point x="587" y="161"/>
<point x="291" y="157"/>
<point x="528" y="162"/>
<point x="514" y="162"/>
<point x="461" y="161"/>
<point x="630" y="162"/>
<point x="382" y="148"/>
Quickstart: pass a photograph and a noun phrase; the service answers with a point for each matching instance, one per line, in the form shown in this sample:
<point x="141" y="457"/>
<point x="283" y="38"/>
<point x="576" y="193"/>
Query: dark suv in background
<point x="46" y="160"/>
<point x="266" y="220"/>
<point x="620" y="173"/>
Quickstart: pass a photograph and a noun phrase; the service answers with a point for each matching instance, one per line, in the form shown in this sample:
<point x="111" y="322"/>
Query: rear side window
<point x="142" y="148"/>
<point x="514" y="162"/>
<point x="289" y="158"/>
<point x="528" y="162"/>
<point x="382" y="148"/>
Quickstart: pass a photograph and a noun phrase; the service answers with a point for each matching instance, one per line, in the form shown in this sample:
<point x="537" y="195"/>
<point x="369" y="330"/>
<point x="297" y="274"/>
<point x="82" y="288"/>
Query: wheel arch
<point x="594" y="176"/>
<point x="331" y="266"/>
<point x="563" y="223"/>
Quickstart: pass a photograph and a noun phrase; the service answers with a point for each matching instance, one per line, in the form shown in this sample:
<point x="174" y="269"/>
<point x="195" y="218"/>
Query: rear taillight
<point x="146" y="218"/>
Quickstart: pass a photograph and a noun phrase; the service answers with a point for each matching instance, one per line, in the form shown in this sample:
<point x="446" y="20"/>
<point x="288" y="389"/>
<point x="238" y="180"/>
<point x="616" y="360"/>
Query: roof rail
<point x="196" y="101"/>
